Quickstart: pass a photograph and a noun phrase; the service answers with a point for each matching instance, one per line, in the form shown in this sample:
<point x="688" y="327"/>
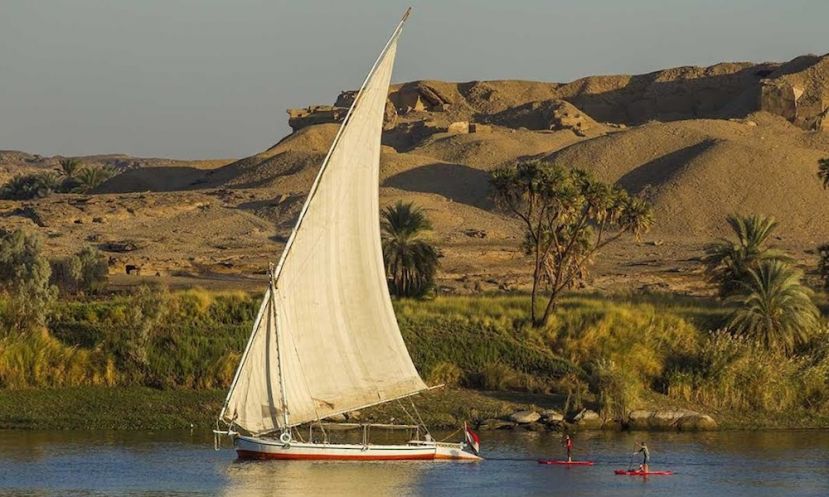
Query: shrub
<point x="445" y="373"/>
<point x="29" y="186"/>
<point x="734" y="373"/>
<point x="617" y="389"/>
<point x="38" y="360"/>
<point x="90" y="177"/>
<point x="24" y="277"/>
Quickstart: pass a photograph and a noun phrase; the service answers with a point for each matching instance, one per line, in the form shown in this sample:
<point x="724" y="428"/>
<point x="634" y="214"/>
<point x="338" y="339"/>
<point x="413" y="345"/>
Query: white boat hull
<point x="262" y="448"/>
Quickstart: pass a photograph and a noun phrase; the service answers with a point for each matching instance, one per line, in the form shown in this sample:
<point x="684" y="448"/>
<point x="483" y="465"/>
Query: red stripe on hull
<point x="249" y="454"/>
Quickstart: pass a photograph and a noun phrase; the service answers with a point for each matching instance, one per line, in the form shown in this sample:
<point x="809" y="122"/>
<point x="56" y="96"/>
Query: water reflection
<point x="322" y="479"/>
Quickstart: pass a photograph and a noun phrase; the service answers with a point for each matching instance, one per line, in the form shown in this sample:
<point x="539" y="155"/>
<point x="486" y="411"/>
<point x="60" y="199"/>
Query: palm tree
<point x="774" y="308"/>
<point x="92" y="176"/>
<point x="823" y="171"/>
<point x="29" y="186"/>
<point x="68" y="167"/>
<point x="410" y="261"/>
<point x="729" y="262"/>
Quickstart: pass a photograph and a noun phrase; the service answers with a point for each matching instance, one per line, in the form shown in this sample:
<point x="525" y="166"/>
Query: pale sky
<point x="212" y="78"/>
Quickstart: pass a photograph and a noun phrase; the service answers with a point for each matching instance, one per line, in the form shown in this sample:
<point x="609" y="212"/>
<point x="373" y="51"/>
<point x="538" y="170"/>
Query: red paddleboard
<point x="638" y="472"/>
<point x="565" y="463"/>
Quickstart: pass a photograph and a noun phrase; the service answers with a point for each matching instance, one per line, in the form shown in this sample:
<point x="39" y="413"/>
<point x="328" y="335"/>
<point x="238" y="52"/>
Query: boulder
<point x="458" y="127"/>
<point x="638" y="419"/>
<point x="551" y="416"/>
<point x="696" y="422"/>
<point x="670" y="419"/>
<point x="524" y="417"/>
<point x="588" y="419"/>
<point x="667" y="419"/>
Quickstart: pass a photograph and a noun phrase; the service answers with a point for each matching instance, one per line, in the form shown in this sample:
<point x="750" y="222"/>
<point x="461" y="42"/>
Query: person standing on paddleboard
<point x="646" y="456"/>
<point x="568" y="443"/>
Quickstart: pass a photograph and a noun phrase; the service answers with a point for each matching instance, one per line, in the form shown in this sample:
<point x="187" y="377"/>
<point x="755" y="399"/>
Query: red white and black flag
<point x="472" y="439"/>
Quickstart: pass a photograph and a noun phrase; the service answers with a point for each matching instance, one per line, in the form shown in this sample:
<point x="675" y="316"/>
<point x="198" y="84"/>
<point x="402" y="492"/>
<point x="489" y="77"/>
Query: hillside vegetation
<point x="610" y="355"/>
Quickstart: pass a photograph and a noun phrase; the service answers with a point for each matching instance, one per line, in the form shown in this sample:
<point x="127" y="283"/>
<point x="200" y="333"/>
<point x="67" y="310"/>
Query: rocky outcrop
<point x="546" y="115"/>
<point x="419" y="97"/>
<point x="315" y="114"/>
<point x="670" y="419"/>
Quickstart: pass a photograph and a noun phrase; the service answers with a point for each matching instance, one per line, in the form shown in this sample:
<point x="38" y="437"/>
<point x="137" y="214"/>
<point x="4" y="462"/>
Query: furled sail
<point x="326" y="340"/>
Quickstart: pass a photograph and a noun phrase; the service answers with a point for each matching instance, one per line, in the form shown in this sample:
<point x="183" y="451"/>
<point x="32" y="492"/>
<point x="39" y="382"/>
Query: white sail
<point x="330" y="319"/>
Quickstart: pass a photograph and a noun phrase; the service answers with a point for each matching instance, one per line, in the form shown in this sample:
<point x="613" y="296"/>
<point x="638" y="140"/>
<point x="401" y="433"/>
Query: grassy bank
<point x="156" y="360"/>
<point x="143" y="408"/>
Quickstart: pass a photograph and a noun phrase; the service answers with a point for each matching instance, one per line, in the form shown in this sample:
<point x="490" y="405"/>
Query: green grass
<point x="102" y="408"/>
<point x="607" y="353"/>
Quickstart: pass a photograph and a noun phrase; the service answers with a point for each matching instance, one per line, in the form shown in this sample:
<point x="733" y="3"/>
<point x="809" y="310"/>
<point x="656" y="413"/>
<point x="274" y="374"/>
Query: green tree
<point x="774" y="308"/>
<point x="568" y="216"/>
<point x="68" y="167"/>
<point x="66" y="274"/>
<point x="90" y="177"/>
<point x="29" y="186"/>
<point x="411" y="261"/>
<point x="130" y="342"/>
<point x="84" y="272"/>
<point x="823" y="171"/>
<point x="729" y="262"/>
<point x="24" y="279"/>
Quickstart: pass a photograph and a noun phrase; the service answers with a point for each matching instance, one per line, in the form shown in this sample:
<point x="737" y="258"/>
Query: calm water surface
<point x="789" y="463"/>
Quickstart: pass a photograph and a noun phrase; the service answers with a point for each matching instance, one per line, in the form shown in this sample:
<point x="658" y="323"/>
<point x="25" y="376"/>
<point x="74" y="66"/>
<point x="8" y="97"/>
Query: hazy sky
<point x="212" y="78"/>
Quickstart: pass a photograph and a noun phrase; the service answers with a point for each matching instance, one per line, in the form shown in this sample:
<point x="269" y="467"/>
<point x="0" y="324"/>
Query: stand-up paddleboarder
<point x="646" y="456"/>
<point x="567" y="442"/>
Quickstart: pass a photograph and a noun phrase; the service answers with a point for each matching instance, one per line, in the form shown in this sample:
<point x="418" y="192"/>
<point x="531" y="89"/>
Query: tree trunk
<point x="551" y="306"/>
<point x="534" y="294"/>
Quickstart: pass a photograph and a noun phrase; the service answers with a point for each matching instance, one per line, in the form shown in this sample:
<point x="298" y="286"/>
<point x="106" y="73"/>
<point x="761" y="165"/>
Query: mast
<point x="347" y="118"/>
<point x="279" y="357"/>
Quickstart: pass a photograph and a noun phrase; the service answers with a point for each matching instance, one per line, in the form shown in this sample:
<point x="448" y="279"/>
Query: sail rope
<point x="418" y="416"/>
<point x="412" y="418"/>
<point x="450" y="435"/>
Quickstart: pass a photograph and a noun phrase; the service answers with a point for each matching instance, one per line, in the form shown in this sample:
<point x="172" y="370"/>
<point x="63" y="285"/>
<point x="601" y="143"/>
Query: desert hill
<point x="699" y="142"/>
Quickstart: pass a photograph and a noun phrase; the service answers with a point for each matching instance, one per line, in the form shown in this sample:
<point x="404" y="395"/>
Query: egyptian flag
<point x="472" y="439"/>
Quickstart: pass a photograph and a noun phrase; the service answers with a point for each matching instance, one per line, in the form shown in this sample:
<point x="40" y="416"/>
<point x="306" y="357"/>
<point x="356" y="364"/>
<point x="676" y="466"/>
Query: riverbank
<point x="158" y="360"/>
<point x="142" y="409"/>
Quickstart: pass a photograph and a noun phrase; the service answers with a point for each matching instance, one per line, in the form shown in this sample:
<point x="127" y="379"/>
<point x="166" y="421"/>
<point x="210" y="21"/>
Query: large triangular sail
<point x="326" y="339"/>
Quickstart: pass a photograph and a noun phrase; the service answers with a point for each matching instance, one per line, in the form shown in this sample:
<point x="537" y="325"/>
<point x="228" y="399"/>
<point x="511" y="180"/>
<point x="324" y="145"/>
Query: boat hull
<point x="266" y="449"/>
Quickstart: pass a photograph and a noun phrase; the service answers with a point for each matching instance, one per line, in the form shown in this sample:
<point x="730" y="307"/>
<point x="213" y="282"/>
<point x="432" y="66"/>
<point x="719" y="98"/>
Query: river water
<point x="755" y="464"/>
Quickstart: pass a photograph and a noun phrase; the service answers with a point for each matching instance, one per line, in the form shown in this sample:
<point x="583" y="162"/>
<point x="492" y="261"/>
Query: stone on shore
<point x="588" y="420"/>
<point x="551" y="416"/>
<point x="670" y="419"/>
<point x="524" y="417"/>
<point x="696" y="422"/>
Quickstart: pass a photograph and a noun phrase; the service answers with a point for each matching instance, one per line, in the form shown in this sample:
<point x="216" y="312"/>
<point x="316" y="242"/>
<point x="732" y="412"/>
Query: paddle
<point x="630" y="460"/>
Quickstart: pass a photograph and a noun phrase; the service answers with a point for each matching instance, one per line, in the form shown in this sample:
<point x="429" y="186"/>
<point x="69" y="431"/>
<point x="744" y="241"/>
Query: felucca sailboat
<point x="326" y="340"/>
